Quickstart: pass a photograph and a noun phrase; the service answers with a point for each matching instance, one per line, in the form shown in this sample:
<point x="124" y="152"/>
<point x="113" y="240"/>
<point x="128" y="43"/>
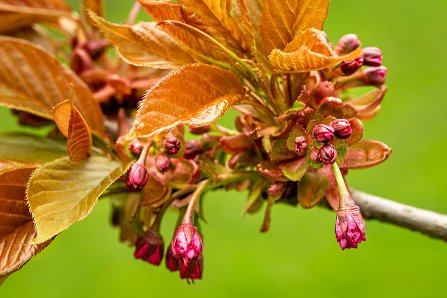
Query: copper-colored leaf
<point x="15" y="14"/>
<point x="366" y="154"/>
<point x="189" y="29"/>
<point x="194" y="95"/>
<point x="16" y="223"/>
<point x="34" y="81"/>
<point x="75" y="128"/>
<point x="309" y="50"/>
<point x="218" y="19"/>
<point x="144" y="44"/>
<point x="282" y="20"/>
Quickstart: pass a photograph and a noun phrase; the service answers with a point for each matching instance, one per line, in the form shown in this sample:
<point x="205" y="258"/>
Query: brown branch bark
<point x="427" y="222"/>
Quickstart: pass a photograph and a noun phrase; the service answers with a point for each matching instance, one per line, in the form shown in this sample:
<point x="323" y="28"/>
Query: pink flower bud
<point x="372" y="56"/>
<point x="171" y="262"/>
<point x="347" y="44"/>
<point x="314" y="155"/>
<point x="137" y="177"/>
<point x="328" y="154"/>
<point x="375" y="76"/>
<point x="150" y="248"/>
<point x="342" y="128"/>
<point x="163" y="163"/>
<point x="135" y="147"/>
<point x="301" y="145"/>
<point x="349" y="67"/>
<point x="172" y="145"/>
<point x="187" y="243"/>
<point x="323" y="133"/>
<point x="349" y="227"/>
<point x="193" y="269"/>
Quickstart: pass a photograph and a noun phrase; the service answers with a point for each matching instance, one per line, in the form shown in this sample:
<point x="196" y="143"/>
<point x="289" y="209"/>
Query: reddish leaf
<point x="366" y="154"/>
<point x="309" y="50"/>
<point x="357" y="131"/>
<point x="295" y="169"/>
<point x="144" y="44"/>
<point x="79" y="139"/>
<point x="16" y="223"/>
<point x="271" y="171"/>
<point x="34" y="81"/>
<point x="195" y="95"/>
<point x="282" y="20"/>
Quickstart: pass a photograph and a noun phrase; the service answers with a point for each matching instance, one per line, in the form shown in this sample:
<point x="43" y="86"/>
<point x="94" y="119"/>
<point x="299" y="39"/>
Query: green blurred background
<point x="299" y="255"/>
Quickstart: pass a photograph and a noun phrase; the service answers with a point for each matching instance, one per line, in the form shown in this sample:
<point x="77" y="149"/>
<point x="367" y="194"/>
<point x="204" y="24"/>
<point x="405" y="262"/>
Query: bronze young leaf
<point x="16" y="224"/>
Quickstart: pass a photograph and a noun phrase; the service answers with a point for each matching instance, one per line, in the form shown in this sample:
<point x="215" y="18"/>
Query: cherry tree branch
<point x="427" y="222"/>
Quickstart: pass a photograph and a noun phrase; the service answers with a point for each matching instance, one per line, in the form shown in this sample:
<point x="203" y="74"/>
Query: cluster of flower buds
<point x="186" y="252"/>
<point x="325" y="134"/>
<point x="374" y="74"/>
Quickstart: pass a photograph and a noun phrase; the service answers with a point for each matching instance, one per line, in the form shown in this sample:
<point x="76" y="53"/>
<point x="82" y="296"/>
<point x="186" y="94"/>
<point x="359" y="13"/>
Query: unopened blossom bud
<point x="349" y="227"/>
<point x="314" y="155"/>
<point x="172" y="145"/>
<point x="199" y="130"/>
<point x="301" y="145"/>
<point x="375" y="76"/>
<point x="349" y="67"/>
<point x="187" y="243"/>
<point x="347" y="44"/>
<point x="137" y="177"/>
<point x="372" y="56"/>
<point x="172" y="262"/>
<point x="135" y="147"/>
<point x="193" y="269"/>
<point x="323" y="90"/>
<point x="150" y="248"/>
<point x="163" y="163"/>
<point x="342" y="128"/>
<point x="328" y="154"/>
<point x="323" y="133"/>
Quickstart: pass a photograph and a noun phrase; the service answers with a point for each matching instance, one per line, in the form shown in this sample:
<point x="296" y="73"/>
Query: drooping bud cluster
<point x="349" y="227"/>
<point x="150" y="248"/>
<point x="187" y="248"/>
